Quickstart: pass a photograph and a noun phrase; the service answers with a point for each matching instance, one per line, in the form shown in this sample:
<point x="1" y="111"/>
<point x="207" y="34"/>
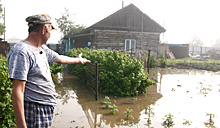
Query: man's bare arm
<point x="18" y="102"/>
<point x="70" y="60"/>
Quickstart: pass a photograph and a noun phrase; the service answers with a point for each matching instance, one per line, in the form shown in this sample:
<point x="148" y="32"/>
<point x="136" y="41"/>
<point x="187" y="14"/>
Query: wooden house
<point x="128" y="29"/>
<point x="4" y="47"/>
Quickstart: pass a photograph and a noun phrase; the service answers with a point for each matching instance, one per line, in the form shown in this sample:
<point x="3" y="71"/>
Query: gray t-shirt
<point x="25" y="62"/>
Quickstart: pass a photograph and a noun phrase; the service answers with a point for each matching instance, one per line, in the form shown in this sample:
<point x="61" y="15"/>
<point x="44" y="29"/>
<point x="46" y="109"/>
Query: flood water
<point x="186" y="94"/>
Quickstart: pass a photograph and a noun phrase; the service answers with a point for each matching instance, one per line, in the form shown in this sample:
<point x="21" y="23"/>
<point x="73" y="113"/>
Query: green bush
<point x="55" y="68"/>
<point x="154" y="61"/>
<point x="144" y="59"/>
<point x="163" y="61"/>
<point x="119" y="75"/>
<point x="7" y="118"/>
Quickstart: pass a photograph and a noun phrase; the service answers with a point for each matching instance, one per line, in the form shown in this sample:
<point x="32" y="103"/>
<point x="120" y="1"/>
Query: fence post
<point x="165" y="51"/>
<point x="148" y="65"/>
<point x="192" y="50"/>
<point x="84" y="74"/>
<point x="201" y="51"/>
<point x="97" y="80"/>
<point x="57" y="48"/>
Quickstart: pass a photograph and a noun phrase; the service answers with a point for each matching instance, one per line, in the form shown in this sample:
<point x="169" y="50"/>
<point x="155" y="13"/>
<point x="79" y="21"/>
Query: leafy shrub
<point x="150" y="113"/>
<point x="7" y="118"/>
<point x="128" y="112"/>
<point x="154" y="61"/>
<point x="144" y="59"/>
<point x="119" y="75"/>
<point x="55" y="68"/>
<point x="163" y="61"/>
<point x="168" y="121"/>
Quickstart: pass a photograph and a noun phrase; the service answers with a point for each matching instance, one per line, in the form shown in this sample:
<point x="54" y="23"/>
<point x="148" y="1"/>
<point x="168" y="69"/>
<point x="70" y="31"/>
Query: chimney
<point x="122" y="4"/>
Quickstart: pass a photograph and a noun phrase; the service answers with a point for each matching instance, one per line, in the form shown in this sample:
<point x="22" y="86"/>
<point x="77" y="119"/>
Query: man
<point x="33" y="94"/>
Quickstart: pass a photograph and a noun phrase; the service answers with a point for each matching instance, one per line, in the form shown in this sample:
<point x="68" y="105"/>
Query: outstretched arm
<point x="70" y="60"/>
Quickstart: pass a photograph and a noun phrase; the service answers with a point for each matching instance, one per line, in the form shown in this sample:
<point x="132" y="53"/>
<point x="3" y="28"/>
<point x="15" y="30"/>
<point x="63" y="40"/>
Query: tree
<point x="2" y="26"/>
<point x="195" y="41"/>
<point x="66" y="25"/>
<point x="217" y="43"/>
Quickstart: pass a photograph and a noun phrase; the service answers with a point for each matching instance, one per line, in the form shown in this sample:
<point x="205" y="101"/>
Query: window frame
<point x="130" y="40"/>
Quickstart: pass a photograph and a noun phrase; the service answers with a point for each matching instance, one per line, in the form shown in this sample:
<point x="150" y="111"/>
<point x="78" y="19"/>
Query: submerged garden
<point x="128" y="95"/>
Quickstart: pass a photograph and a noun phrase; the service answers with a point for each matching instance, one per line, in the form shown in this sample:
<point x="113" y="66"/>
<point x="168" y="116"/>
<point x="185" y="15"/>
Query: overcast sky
<point x="181" y="18"/>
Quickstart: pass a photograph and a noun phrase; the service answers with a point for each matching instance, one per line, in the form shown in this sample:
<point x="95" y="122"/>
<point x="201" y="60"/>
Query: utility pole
<point x="122" y="4"/>
<point x="163" y="27"/>
<point x="4" y="23"/>
<point x="141" y="29"/>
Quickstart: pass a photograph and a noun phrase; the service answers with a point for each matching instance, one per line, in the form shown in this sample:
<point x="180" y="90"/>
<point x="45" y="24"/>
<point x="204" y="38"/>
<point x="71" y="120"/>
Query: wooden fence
<point x="199" y="50"/>
<point x="91" y="78"/>
<point x="59" y="48"/>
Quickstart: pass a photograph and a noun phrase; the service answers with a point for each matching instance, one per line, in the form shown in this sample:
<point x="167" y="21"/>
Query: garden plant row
<point x="119" y="74"/>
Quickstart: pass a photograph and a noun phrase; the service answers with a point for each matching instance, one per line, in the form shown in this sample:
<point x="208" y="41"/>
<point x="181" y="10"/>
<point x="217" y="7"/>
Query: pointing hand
<point x="83" y="60"/>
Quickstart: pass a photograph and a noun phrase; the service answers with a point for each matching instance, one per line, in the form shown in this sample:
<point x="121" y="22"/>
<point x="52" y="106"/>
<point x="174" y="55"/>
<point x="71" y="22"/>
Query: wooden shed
<point x="128" y="29"/>
<point x="175" y="51"/>
<point x="4" y="47"/>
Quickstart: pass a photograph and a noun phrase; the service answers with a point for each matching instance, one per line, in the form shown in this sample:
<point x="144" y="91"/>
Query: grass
<point x="189" y="60"/>
<point x="212" y="65"/>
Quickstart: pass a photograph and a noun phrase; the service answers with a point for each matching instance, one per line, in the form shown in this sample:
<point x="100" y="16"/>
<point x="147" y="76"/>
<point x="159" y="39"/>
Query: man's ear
<point x="44" y="29"/>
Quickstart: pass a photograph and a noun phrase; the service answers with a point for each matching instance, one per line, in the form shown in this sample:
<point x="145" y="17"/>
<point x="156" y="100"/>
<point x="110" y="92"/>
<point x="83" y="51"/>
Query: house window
<point x="130" y="45"/>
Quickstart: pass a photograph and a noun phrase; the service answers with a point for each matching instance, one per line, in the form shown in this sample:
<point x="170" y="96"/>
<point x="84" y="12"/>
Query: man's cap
<point x="39" y="19"/>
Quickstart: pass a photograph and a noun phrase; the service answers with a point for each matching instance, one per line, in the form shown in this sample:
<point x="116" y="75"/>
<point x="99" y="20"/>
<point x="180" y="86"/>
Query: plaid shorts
<point x="38" y="115"/>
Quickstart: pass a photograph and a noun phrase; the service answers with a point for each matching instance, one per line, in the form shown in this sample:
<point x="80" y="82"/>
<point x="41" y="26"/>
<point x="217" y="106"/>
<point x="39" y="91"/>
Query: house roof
<point x="14" y="40"/>
<point x="128" y="18"/>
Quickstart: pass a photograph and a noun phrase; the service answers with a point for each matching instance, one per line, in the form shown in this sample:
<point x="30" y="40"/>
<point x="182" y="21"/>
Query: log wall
<point x="111" y="39"/>
<point x="79" y="43"/>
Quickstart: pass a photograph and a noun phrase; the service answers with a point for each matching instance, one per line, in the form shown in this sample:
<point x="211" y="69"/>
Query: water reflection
<point x="96" y="115"/>
<point x="194" y="95"/>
